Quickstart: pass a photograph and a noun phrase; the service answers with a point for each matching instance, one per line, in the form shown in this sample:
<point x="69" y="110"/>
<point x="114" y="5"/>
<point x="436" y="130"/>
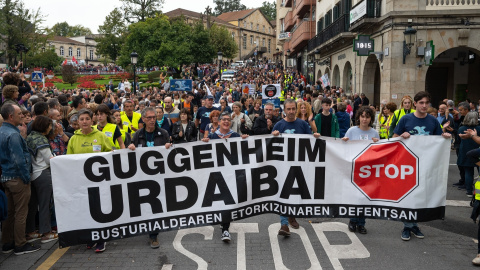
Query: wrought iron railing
<point x="339" y="26"/>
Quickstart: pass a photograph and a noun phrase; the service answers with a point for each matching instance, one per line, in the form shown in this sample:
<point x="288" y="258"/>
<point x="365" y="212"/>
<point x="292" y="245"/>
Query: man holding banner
<point x="291" y="125"/>
<point x="419" y="123"/>
<point x="150" y="136"/>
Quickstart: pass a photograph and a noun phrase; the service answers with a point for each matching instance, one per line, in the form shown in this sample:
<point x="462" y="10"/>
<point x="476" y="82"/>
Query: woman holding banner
<point x="362" y="131"/>
<point x="96" y="141"/>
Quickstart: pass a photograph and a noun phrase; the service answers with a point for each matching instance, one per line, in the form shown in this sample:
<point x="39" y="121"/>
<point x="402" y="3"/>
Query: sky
<point x="92" y="13"/>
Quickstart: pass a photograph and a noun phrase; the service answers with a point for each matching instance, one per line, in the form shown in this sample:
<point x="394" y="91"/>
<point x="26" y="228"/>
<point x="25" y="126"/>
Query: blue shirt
<point x="418" y="126"/>
<point x="440" y="118"/>
<point x="14" y="156"/>
<point x="203" y="114"/>
<point x="296" y="127"/>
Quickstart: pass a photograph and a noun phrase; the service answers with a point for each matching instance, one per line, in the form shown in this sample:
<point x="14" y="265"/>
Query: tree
<point x="19" y="25"/>
<point x="63" y="29"/>
<point x="112" y="39"/>
<point x="223" y="42"/>
<point x="140" y="10"/>
<point x="222" y="6"/>
<point x="160" y="41"/>
<point x="269" y="9"/>
<point x="48" y="59"/>
<point x="68" y="74"/>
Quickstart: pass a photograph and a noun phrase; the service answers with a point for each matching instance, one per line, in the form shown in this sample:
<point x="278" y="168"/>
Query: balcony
<point x="373" y="11"/>
<point x="288" y="3"/>
<point x="337" y="31"/>
<point x="302" y="7"/>
<point x="302" y="34"/>
<point x="289" y="21"/>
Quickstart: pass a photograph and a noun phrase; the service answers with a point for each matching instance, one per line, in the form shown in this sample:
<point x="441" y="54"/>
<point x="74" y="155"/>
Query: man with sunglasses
<point x="224" y="132"/>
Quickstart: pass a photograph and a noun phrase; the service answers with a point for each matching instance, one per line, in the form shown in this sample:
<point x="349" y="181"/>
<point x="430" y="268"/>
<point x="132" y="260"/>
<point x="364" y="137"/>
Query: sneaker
<point x="91" y="245"/>
<point x="7" y="248"/>
<point x="416" y="231"/>
<point x="406" y="234"/>
<point x="462" y="187"/>
<point x="154" y="243"/>
<point x="33" y="236"/>
<point x="352" y="226"/>
<point x="226" y="236"/>
<point x="100" y="247"/>
<point x="459" y="183"/>
<point x="27" y="248"/>
<point x="293" y="223"/>
<point x="361" y="229"/>
<point x="48" y="237"/>
<point x="476" y="260"/>
<point x="469" y="194"/>
<point x="284" y="230"/>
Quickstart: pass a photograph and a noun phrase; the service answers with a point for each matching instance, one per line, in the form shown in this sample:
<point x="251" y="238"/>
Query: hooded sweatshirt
<point x="343" y="122"/>
<point x="93" y="142"/>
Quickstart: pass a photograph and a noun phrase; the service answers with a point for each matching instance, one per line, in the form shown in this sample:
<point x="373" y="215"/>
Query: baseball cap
<point x="209" y="97"/>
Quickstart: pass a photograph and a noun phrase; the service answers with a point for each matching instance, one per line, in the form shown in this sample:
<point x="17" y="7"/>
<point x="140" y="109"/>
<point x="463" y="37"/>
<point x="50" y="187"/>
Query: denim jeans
<point x="469" y="171"/>
<point x="358" y="221"/>
<point x="283" y="220"/>
<point x="410" y="224"/>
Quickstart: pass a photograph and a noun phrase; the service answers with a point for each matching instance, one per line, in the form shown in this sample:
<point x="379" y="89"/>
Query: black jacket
<point x="189" y="135"/>
<point x="160" y="139"/>
<point x="260" y="126"/>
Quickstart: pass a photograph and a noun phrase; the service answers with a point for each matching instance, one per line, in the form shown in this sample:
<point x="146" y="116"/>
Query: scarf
<point x="36" y="142"/>
<point x="221" y="135"/>
<point x="160" y="123"/>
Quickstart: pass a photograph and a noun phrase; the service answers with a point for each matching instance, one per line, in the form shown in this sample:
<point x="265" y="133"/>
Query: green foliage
<point x="223" y="42"/>
<point x="149" y="84"/>
<point x="160" y="41"/>
<point x="222" y="6"/>
<point x="154" y="76"/>
<point x="65" y="30"/>
<point x="112" y="30"/>
<point x="140" y="10"/>
<point x="269" y="9"/>
<point x="68" y="74"/>
<point x="48" y="59"/>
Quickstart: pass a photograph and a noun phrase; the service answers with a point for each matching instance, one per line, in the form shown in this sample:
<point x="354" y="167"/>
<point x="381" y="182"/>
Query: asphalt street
<point x="320" y="243"/>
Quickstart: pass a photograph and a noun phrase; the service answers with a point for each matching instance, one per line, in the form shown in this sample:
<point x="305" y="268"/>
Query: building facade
<point x="83" y="48"/>
<point x="255" y="34"/>
<point x="414" y="46"/>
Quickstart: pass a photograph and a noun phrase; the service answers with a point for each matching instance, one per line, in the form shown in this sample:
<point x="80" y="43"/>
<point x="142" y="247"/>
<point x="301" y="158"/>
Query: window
<point x="251" y="40"/>
<point x="258" y="27"/>
<point x="319" y="26"/>
<point x="269" y="30"/>
<point x="91" y="54"/>
<point x="264" y="28"/>
<point x="269" y="42"/>
<point x="244" y="24"/>
<point x="233" y="35"/>
<point x="62" y="52"/>
<point x="263" y="42"/>
<point x="251" y="26"/>
<point x="244" y="41"/>
<point x="79" y="53"/>
<point x="70" y="51"/>
<point x="282" y="26"/>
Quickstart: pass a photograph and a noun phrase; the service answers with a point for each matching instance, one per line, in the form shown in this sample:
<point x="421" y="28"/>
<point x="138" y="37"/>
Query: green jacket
<point x="335" y="126"/>
<point x="93" y="142"/>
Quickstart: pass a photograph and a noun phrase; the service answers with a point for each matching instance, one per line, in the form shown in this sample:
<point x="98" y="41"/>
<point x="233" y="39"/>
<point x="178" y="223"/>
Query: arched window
<point x="79" y="52"/>
<point x="70" y="51"/>
<point x="62" y="52"/>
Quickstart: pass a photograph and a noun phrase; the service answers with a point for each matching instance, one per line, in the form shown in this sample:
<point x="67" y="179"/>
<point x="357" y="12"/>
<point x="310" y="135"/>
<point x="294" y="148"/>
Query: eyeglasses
<point x="150" y="117"/>
<point x="226" y="119"/>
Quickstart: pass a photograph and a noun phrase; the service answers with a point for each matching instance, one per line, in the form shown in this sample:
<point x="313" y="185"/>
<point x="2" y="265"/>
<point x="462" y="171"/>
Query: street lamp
<point x="409" y="39"/>
<point x="220" y="57"/>
<point x="133" y="60"/>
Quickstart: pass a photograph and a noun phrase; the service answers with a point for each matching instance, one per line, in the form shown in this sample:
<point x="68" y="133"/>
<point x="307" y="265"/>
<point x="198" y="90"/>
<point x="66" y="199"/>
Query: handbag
<point x="244" y="129"/>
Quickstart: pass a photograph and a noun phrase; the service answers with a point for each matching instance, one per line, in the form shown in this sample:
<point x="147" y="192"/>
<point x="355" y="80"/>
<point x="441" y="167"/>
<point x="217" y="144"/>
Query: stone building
<point x="397" y="57"/>
<point x="83" y="48"/>
<point x="255" y="34"/>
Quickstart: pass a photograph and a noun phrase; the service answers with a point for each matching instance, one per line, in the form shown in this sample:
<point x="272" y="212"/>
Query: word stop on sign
<point x="386" y="171"/>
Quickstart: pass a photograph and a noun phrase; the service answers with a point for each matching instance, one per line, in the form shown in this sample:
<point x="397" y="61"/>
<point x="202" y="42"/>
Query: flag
<point x="74" y="60"/>
<point x="208" y="90"/>
<point x="64" y="62"/>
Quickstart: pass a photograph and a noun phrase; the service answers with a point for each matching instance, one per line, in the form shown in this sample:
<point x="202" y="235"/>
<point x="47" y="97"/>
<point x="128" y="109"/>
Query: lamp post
<point x="316" y="60"/>
<point x="409" y="39"/>
<point x="134" y="59"/>
<point x="220" y="57"/>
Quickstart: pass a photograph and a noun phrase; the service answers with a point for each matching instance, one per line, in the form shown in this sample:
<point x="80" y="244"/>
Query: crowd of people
<point x="40" y="124"/>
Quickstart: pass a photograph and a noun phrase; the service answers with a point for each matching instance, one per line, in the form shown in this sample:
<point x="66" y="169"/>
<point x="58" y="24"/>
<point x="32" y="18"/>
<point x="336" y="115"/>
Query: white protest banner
<point x="271" y="91"/>
<point x="325" y="80"/>
<point x="105" y="196"/>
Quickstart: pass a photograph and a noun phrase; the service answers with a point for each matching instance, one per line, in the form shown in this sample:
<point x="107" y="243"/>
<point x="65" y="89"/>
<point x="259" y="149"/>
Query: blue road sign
<point x="37" y="76"/>
<point x="181" y="85"/>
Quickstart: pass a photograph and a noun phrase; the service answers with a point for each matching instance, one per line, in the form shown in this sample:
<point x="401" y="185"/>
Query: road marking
<point x="167" y="267"/>
<point x="277" y="255"/>
<point x="457" y="203"/>
<point x="475" y="241"/>
<point x="52" y="259"/>
<point x="354" y="250"/>
<point x="177" y="244"/>
<point x="241" y="229"/>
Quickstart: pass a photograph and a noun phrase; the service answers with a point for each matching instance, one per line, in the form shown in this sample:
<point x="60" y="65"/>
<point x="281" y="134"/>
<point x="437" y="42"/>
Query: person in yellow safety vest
<point x="124" y="129"/>
<point x="406" y="107"/>
<point x="106" y="125"/>
<point x="130" y="118"/>
<point x="385" y="119"/>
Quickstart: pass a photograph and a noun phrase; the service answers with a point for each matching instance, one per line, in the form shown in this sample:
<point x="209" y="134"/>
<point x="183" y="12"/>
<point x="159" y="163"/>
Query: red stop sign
<point x="386" y="171"/>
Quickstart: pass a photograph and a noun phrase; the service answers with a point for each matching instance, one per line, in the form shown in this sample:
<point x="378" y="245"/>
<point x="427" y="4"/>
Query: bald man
<point x="171" y="112"/>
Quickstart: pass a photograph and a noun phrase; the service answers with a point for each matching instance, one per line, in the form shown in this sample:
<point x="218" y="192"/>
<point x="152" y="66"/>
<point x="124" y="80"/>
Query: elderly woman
<point x="239" y="118"/>
<point x="10" y="93"/>
<point x="467" y="143"/>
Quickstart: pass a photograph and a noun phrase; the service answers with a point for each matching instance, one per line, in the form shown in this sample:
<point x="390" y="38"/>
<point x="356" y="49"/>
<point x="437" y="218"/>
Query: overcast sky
<point x="92" y="13"/>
